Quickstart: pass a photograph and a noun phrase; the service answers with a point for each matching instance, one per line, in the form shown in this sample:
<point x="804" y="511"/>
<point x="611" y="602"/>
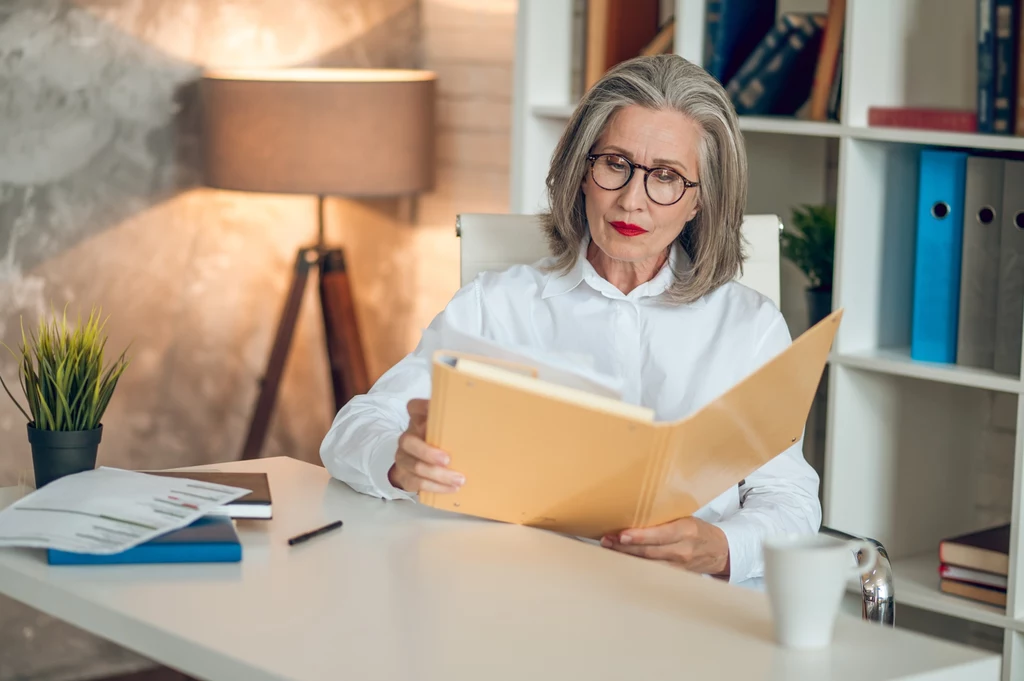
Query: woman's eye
<point x="617" y="167"/>
<point x="666" y="177"/>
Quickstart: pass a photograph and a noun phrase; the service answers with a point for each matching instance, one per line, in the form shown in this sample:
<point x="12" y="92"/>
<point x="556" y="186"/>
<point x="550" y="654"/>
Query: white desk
<point x="405" y="592"/>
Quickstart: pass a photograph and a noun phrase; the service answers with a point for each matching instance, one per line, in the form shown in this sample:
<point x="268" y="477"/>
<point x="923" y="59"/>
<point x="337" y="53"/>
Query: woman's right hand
<point x="419" y="467"/>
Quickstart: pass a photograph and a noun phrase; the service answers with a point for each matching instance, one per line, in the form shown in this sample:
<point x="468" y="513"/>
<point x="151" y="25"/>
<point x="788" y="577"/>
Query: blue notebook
<point x="210" y="539"/>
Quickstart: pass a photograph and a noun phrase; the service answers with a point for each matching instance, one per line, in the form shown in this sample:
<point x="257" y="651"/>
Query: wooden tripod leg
<point x="264" y="408"/>
<point x="344" y="345"/>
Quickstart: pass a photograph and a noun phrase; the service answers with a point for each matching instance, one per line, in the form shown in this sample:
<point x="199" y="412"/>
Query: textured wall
<point x="99" y="204"/>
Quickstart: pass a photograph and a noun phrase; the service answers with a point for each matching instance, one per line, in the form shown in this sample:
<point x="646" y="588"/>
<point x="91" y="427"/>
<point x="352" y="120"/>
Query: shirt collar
<point x="583" y="271"/>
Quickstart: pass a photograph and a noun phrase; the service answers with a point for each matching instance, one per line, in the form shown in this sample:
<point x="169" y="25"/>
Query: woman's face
<point x="626" y="224"/>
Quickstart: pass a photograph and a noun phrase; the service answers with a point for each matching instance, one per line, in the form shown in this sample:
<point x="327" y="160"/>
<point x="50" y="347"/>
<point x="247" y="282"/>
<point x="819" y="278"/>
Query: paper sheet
<point x="108" y="510"/>
<point x="573" y="371"/>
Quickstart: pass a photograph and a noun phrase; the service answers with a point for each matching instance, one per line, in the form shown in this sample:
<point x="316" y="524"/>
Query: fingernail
<point x="606" y="542"/>
<point x="460" y="480"/>
<point x="445" y="459"/>
<point x="625" y="539"/>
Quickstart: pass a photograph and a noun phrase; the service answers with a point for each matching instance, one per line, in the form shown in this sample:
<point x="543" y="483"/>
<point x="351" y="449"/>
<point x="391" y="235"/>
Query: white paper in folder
<point x="572" y="371"/>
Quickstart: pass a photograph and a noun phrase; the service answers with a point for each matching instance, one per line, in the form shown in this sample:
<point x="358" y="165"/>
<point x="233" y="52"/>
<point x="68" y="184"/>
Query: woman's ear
<point x="694" y="211"/>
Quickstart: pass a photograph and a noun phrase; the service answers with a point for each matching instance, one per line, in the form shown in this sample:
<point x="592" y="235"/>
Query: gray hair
<point x="713" y="238"/>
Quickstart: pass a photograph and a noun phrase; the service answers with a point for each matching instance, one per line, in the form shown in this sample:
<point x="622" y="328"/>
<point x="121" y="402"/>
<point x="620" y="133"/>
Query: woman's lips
<point x="628" y="229"/>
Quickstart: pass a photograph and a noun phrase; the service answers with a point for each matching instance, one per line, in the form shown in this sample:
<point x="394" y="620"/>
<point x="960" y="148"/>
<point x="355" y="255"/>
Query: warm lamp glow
<point x="322" y="75"/>
<point x="333" y="132"/>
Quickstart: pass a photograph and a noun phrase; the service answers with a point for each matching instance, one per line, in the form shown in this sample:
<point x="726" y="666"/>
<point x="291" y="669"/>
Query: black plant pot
<point x="56" y="453"/>
<point x="819" y="304"/>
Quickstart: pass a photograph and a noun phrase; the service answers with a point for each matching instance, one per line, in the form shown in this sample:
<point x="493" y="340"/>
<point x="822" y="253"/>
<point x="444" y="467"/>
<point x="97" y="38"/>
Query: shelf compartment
<point x="897" y="361"/>
<point x="911" y="462"/>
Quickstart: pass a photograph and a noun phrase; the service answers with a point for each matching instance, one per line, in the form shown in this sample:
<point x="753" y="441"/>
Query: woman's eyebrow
<point x="657" y="161"/>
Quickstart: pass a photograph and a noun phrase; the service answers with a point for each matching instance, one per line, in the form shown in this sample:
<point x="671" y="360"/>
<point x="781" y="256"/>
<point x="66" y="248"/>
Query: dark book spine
<point x="760" y="56"/>
<point x="764" y="93"/>
<point x="1005" y="67"/>
<point x="712" y="45"/>
<point x="986" y="66"/>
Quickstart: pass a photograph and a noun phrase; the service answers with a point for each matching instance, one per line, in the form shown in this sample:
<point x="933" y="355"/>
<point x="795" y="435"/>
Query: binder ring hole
<point x="940" y="210"/>
<point x="986" y="215"/>
<point x="1018" y="220"/>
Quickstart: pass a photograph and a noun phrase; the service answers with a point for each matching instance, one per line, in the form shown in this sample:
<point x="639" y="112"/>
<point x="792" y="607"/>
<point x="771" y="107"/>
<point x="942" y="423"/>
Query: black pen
<point x="298" y="539"/>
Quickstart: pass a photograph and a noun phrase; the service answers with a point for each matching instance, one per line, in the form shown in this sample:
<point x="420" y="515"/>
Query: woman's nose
<point x="633" y="195"/>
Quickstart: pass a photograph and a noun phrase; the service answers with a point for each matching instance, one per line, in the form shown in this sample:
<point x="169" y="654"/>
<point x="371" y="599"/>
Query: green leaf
<point x="810" y="243"/>
<point x="62" y="372"/>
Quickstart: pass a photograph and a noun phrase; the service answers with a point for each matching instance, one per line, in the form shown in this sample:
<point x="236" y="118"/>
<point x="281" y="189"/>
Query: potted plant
<point x="811" y="246"/>
<point x="67" y="388"/>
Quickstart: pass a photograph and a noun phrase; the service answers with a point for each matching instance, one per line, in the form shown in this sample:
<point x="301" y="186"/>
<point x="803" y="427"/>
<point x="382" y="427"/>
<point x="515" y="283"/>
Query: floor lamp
<point x="354" y="133"/>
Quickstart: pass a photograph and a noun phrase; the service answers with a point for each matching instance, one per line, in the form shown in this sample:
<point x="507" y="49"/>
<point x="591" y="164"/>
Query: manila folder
<point x="543" y="459"/>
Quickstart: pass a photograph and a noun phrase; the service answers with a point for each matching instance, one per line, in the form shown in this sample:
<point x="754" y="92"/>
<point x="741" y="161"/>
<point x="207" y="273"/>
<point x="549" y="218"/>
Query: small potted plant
<point x="67" y="388"/>
<point x="811" y="247"/>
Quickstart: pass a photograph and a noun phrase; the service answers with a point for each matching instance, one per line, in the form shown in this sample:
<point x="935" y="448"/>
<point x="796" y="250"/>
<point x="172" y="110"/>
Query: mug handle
<point x="869" y="549"/>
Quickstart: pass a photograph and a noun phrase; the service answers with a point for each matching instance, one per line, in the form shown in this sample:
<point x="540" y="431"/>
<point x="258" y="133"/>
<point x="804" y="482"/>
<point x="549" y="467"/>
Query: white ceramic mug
<point x="805" y="577"/>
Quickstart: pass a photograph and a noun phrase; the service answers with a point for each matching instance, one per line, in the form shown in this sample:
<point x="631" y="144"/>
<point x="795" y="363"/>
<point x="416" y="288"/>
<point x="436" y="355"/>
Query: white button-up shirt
<point x="671" y="358"/>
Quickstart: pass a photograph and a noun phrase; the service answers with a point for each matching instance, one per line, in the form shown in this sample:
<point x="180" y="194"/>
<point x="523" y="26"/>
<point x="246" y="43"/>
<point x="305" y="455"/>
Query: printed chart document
<point x="108" y="510"/>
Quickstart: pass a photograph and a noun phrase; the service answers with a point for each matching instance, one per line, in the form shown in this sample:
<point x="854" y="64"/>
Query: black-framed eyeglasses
<point x="614" y="171"/>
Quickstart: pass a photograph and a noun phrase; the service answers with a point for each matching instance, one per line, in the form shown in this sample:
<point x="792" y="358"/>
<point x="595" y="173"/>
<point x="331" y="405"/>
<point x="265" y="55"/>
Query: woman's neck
<point x="623" y="275"/>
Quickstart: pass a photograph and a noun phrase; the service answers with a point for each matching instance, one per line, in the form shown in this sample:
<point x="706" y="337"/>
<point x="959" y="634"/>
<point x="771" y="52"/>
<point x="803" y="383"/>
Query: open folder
<point x="538" y="454"/>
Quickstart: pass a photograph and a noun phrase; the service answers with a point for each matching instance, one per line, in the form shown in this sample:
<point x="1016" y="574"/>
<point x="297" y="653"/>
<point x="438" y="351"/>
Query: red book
<point x="950" y="120"/>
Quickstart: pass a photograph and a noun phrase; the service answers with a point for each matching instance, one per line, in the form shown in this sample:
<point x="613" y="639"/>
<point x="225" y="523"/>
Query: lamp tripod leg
<point x="260" y="422"/>
<point x="344" y="346"/>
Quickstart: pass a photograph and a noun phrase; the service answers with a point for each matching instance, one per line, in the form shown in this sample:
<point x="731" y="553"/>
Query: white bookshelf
<point x="903" y="448"/>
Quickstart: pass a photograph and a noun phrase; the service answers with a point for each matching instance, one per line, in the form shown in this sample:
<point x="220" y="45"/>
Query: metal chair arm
<point x="879" y="603"/>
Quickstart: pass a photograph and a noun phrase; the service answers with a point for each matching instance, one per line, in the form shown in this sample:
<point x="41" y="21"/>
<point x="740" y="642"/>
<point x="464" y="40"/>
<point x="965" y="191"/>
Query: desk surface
<point x="404" y="591"/>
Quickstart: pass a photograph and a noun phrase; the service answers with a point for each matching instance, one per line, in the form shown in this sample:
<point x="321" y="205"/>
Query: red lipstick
<point x="628" y="228"/>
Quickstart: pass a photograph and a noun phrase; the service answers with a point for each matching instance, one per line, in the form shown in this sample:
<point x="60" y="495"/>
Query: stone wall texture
<point x="100" y="204"/>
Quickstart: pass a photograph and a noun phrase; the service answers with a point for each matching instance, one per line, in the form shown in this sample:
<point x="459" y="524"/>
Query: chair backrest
<point x="491" y="241"/>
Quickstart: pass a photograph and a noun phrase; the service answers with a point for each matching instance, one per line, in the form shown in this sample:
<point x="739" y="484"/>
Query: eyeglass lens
<point x="664" y="186"/>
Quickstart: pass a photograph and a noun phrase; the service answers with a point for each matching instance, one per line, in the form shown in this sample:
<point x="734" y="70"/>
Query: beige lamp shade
<point x="346" y="132"/>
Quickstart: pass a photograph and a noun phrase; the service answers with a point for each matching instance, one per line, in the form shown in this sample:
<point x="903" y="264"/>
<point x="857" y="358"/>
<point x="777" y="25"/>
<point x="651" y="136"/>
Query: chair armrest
<point x="879" y="603"/>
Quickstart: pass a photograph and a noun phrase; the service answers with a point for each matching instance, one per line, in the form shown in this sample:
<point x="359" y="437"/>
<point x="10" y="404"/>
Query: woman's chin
<point x="625" y="248"/>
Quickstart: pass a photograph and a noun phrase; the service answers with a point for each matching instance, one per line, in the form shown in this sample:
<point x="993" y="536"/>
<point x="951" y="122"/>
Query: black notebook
<point x="256" y="504"/>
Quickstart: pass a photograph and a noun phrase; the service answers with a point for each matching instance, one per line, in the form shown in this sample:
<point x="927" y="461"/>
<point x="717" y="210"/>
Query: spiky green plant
<point x="811" y="243"/>
<point x="62" y="374"/>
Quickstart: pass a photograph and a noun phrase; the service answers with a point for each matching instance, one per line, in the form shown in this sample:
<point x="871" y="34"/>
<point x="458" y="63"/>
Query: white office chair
<point x="489" y="241"/>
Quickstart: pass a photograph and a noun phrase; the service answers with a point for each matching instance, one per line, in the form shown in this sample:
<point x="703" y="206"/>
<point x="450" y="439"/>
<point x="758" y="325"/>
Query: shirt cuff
<point x="381" y="460"/>
<point x="745" y="546"/>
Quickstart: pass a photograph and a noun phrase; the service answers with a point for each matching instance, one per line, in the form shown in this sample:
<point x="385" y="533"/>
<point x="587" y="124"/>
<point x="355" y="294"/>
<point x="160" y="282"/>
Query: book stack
<point x="212" y="538"/>
<point x="975" y="565"/>
<point x="796" y="60"/>
<point x="968" y="295"/>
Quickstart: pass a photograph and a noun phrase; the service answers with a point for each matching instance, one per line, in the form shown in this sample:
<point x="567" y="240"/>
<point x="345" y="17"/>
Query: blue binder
<point x="937" y="255"/>
<point x="210" y="539"/>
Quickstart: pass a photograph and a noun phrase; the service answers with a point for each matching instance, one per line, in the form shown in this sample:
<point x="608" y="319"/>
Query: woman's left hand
<point x="690" y="543"/>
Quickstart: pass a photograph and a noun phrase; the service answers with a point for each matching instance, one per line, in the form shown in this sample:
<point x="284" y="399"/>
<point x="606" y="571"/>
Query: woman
<point x="646" y="190"/>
